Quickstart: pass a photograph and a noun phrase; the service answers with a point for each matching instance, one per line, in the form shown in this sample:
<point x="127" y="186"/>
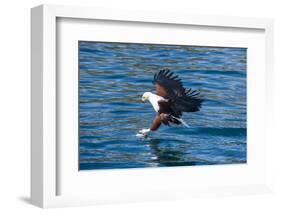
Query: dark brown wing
<point x="160" y="90"/>
<point x="164" y="106"/>
<point x="156" y="123"/>
<point x="167" y="83"/>
<point x="170" y="87"/>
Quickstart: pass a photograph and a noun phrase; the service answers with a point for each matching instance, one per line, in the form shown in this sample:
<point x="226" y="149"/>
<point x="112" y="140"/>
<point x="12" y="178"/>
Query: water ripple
<point x="113" y="76"/>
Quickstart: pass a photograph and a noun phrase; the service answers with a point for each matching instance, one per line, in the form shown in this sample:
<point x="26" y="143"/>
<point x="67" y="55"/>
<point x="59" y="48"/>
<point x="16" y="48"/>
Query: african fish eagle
<point x="171" y="100"/>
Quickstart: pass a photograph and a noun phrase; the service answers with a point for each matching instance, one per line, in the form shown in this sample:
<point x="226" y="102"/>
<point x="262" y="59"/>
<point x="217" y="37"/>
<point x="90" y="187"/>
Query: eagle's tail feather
<point x="181" y="121"/>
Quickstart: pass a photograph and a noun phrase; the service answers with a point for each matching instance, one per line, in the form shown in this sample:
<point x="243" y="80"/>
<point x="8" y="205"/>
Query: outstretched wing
<point x="167" y="83"/>
<point x="169" y="86"/>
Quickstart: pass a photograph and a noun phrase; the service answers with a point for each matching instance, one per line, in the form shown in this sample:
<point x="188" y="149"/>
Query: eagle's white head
<point x="146" y="96"/>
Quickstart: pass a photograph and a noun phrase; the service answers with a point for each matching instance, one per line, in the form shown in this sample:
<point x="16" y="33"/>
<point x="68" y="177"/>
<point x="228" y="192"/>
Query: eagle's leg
<point x="144" y="131"/>
<point x="154" y="126"/>
<point x="156" y="123"/>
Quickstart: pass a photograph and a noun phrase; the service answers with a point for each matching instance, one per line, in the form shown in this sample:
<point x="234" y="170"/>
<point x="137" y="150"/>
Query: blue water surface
<point x="113" y="77"/>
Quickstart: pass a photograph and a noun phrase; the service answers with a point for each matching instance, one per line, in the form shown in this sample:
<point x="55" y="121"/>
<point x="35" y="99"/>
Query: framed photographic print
<point x="130" y="106"/>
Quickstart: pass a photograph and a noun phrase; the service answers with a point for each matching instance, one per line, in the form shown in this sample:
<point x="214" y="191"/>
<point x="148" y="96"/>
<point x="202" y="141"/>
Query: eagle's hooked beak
<point x="145" y="96"/>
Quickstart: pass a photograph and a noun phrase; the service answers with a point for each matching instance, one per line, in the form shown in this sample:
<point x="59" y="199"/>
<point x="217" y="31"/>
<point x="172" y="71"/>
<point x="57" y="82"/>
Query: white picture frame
<point x="45" y="169"/>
